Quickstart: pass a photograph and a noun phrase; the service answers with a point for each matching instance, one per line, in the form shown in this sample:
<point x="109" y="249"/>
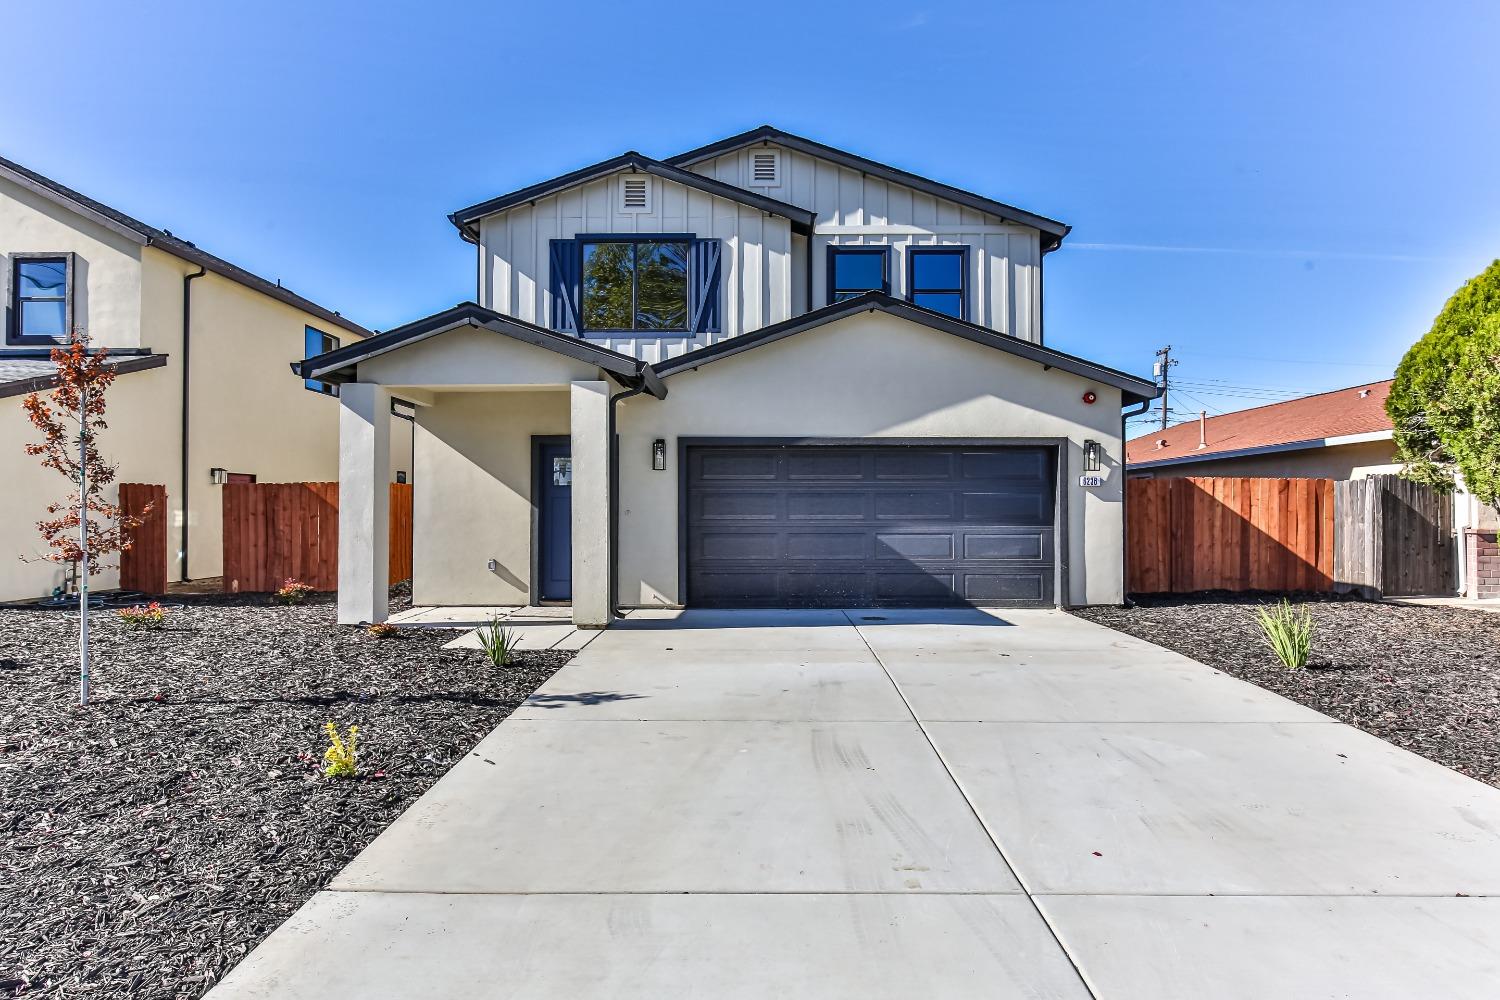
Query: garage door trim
<point x="1058" y="445"/>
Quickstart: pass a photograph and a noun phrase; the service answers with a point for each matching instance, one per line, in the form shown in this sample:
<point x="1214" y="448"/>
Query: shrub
<point x="498" y="643"/>
<point x="143" y="616"/>
<point x="342" y="754"/>
<point x="1288" y="632"/>
<point x="383" y="630"/>
<point x="292" y="592"/>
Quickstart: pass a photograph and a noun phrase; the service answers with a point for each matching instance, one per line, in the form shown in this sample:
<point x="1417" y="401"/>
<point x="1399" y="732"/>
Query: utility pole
<point x="1163" y="372"/>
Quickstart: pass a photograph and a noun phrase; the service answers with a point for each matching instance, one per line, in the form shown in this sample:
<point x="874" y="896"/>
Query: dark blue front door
<point x="555" y="530"/>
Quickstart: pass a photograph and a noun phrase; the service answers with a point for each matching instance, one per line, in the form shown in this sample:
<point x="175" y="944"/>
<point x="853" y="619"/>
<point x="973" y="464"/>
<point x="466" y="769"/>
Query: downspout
<point x="614" y="495"/>
<point x="187" y="340"/>
<point x="1125" y="416"/>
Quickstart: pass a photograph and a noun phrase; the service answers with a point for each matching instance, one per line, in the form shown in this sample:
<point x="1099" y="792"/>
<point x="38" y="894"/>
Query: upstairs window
<point x="855" y="270"/>
<point x="607" y="285"/>
<point x="317" y="342"/>
<point x="935" y="279"/>
<point x="636" y="285"/>
<point x="41" y="298"/>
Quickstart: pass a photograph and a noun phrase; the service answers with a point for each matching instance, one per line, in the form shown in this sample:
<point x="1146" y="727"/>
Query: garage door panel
<point x="1033" y="545"/>
<point x="846" y="506"/>
<point x="847" y="526"/>
<point x="914" y="546"/>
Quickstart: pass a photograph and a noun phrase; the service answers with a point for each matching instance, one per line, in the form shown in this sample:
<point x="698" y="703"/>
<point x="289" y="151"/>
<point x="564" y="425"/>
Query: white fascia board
<point x="1267" y="449"/>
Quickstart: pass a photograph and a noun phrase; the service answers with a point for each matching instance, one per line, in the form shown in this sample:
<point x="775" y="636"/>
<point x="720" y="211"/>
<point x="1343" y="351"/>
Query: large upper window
<point x="317" y="342"/>
<point x="855" y="270"/>
<point x="41" y="306"/>
<point x="639" y="284"/>
<point x="935" y="278"/>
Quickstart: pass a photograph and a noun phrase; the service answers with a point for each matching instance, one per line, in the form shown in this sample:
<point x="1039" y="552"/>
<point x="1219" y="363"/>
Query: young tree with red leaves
<point x="84" y="528"/>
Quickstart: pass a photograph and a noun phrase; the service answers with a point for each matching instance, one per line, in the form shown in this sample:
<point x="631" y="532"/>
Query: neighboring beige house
<point x="192" y="335"/>
<point x="762" y="373"/>
<point x="1344" y="434"/>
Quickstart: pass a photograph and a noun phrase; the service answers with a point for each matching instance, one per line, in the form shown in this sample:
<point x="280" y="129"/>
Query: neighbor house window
<point x="935" y="279"/>
<point x="855" y="270"/>
<point x="635" y="285"/>
<point x="318" y="342"/>
<point x="41" y="298"/>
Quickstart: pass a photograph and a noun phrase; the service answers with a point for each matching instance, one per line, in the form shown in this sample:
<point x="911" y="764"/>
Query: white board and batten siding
<point x="854" y="208"/>
<point x="756" y="268"/>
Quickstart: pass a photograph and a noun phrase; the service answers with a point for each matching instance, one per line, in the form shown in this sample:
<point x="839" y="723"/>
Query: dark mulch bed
<point x="148" y="842"/>
<point x="1423" y="678"/>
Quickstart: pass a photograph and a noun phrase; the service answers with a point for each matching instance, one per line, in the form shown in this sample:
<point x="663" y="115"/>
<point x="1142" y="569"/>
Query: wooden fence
<point x="1187" y="535"/>
<point x="1376" y="536"/>
<point x="1395" y="538"/>
<point x="279" y="531"/>
<point x="143" y="566"/>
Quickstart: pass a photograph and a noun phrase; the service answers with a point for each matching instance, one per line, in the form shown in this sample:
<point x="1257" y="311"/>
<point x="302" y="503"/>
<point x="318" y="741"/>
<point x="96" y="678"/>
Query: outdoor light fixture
<point x="1093" y="456"/>
<point x="658" y="455"/>
<point x="218" y="476"/>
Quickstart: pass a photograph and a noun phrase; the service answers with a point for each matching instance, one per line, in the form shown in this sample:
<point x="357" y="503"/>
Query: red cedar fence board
<point x="143" y="566"/>
<point x="1218" y="533"/>
<point x="279" y="531"/>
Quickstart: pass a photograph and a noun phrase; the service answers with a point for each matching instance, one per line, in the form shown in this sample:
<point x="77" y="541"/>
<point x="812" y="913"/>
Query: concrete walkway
<point x="900" y="804"/>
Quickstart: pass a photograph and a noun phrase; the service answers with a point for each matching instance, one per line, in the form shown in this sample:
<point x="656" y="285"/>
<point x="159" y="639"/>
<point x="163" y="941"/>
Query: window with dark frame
<point x="41" y="306"/>
<point x="317" y="342"/>
<point x="854" y="270"/>
<point x="633" y="285"/>
<point x="935" y="279"/>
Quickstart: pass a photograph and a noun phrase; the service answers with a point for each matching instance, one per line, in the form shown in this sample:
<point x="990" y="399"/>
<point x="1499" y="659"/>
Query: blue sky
<point x="1286" y="192"/>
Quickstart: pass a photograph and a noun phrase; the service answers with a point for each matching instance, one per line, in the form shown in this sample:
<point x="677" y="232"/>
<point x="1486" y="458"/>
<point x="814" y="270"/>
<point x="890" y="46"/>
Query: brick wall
<point x="1484" y="564"/>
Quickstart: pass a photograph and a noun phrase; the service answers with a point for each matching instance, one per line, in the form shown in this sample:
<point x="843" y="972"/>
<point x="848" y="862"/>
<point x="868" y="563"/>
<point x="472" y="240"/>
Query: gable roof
<point x="1134" y="390"/>
<point x="769" y="133"/>
<point x="467" y="218"/>
<point x="339" y="365"/>
<point x="143" y="235"/>
<point x="1320" y="421"/>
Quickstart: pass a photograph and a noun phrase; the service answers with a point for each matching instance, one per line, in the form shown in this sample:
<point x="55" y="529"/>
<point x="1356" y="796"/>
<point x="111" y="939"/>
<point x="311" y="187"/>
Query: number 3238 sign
<point x="1090" y="480"/>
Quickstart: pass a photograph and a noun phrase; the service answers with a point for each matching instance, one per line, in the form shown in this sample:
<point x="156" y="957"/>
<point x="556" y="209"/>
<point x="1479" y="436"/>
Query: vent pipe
<point x="1202" y="429"/>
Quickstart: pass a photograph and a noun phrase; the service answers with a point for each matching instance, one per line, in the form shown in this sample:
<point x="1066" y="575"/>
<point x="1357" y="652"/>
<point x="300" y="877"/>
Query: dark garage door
<point x="842" y="526"/>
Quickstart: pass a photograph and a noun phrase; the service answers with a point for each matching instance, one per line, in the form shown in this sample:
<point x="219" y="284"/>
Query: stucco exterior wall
<point x="472" y="499"/>
<point x="107" y="282"/>
<point x="868" y="376"/>
<point x="1344" y="461"/>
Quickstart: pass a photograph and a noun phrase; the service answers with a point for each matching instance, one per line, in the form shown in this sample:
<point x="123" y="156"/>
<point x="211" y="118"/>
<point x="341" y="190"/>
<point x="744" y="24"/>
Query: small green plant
<point x="382" y="630"/>
<point x="1289" y="633"/>
<point x="342" y="755"/>
<point x="498" y="643"/>
<point x="143" y="616"/>
<point x="292" y="592"/>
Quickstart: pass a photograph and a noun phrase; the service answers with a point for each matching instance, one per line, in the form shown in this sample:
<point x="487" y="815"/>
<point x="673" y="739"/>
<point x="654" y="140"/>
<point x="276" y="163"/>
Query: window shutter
<point x="703" y="291"/>
<point x="563" y="280"/>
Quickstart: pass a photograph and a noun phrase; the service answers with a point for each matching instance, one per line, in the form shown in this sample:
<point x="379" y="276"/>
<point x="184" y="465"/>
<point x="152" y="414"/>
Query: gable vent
<point x="765" y="168"/>
<point x="635" y="193"/>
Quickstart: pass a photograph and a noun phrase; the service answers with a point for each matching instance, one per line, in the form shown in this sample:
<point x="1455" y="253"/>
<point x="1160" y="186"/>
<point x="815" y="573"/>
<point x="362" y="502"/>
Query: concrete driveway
<point x="884" y="804"/>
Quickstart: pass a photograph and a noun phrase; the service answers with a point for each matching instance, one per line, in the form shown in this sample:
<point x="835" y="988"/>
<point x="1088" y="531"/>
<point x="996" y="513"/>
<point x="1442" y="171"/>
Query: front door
<point x="555" y="523"/>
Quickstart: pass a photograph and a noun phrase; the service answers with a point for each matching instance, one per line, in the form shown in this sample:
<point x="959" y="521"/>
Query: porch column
<point x="590" y="430"/>
<point x="364" y="503"/>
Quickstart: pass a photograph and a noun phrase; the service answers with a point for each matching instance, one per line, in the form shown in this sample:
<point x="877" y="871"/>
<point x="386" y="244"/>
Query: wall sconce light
<point x="1093" y="456"/>
<point x="658" y="455"/>
<point x="218" y="476"/>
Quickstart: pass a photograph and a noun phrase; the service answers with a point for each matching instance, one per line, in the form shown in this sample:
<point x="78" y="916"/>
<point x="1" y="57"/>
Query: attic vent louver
<point x="635" y="193"/>
<point x="765" y="168"/>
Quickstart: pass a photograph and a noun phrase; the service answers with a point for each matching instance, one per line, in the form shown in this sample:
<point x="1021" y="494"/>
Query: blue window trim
<point x="582" y="238"/>
<point x="868" y="250"/>
<point x="961" y="251"/>
<point x="325" y="342"/>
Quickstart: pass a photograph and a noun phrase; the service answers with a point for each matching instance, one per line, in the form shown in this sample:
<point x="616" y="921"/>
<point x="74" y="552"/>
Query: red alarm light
<point x="1089" y="397"/>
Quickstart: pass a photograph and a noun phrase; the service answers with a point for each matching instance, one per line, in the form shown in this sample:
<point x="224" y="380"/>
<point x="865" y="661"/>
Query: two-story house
<point x="201" y="397"/>
<point x="762" y="373"/>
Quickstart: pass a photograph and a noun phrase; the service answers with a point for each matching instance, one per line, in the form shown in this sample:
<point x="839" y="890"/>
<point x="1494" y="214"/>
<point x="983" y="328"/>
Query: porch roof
<point x="341" y="365"/>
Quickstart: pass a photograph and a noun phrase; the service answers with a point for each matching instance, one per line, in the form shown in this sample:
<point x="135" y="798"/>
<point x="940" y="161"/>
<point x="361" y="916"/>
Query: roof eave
<point x="1306" y="444"/>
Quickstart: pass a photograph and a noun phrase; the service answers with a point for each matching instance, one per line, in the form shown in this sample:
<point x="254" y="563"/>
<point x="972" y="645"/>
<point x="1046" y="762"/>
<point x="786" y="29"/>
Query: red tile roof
<point x="1359" y="409"/>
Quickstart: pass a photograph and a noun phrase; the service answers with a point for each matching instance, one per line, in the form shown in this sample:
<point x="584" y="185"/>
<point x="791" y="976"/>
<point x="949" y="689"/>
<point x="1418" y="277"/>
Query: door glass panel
<point x="562" y="470"/>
